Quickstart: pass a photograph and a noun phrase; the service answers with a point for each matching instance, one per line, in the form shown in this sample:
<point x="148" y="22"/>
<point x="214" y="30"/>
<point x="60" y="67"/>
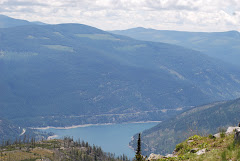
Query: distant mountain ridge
<point x="221" y="45"/>
<point x="6" y="22"/>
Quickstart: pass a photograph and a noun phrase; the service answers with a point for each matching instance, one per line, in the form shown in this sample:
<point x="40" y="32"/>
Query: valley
<point x="95" y="75"/>
<point x="79" y="120"/>
<point x="74" y="79"/>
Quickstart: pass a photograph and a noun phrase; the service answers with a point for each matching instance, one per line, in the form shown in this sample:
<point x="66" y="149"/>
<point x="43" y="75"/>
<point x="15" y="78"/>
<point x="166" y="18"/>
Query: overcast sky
<point x="187" y="15"/>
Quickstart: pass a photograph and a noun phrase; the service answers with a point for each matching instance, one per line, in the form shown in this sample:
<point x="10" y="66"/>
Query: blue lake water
<point x="112" y="138"/>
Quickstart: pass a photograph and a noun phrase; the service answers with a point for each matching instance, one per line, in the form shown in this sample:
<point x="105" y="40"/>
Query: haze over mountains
<point x="6" y="22"/>
<point x="71" y="74"/>
<point x="73" y="69"/>
<point x="220" y="45"/>
<point x="77" y="67"/>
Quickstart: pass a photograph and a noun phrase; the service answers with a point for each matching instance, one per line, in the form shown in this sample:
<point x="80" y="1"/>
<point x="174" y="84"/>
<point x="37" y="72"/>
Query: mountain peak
<point x="6" y="22"/>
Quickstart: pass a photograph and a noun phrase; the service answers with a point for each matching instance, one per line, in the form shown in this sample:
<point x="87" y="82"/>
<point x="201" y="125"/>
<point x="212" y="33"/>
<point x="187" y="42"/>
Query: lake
<point x="112" y="138"/>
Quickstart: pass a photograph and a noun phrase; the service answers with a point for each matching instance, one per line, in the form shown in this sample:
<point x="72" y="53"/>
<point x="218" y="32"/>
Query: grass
<point x="223" y="148"/>
<point x="25" y="152"/>
<point x="18" y="156"/>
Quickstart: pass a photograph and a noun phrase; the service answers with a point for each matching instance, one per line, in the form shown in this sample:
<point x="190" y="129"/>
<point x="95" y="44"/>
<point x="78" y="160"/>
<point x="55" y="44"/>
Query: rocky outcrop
<point x="170" y="155"/>
<point x="200" y="152"/>
<point x="231" y="130"/>
<point x="237" y="135"/>
<point x="155" y="157"/>
<point x="217" y="135"/>
<point x="46" y="159"/>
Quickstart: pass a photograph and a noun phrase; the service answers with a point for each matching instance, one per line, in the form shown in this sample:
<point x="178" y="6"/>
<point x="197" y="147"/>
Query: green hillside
<point x="200" y="120"/>
<point x="68" y="74"/>
<point x="207" y="148"/>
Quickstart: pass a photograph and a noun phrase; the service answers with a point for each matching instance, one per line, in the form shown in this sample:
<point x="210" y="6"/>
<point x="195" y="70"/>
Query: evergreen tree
<point x="138" y="156"/>
<point x="138" y="152"/>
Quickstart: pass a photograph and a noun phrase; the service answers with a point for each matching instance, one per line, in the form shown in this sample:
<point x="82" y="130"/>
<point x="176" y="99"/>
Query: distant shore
<point x="69" y="127"/>
<point x="23" y="132"/>
<point x="87" y="125"/>
<point x="52" y="137"/>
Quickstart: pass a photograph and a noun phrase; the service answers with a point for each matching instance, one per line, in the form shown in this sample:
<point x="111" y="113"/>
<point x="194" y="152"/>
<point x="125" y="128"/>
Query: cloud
<point x="193" y="15"/>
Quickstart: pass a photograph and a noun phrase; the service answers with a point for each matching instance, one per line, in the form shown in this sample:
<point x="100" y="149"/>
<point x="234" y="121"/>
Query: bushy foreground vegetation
<point x="223" y="148"/>
<point x="55" y="150"/>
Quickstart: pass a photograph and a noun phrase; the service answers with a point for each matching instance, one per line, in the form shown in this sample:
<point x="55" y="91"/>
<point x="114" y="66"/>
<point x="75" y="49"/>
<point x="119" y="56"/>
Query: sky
<point x="183" y="15"/>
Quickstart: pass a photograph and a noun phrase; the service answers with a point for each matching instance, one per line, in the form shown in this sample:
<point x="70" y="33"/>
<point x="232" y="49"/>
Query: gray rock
<point x="170" y="156"/>
<point x="237" y="135"/>
<point x="155" y="156"/>
<point x="46" y="159"/>
<point x="231" y="130"/>
<point x="217" y="135"/>
<point x="200" y="152"/>
<point x="174" y="152"/>
<point x="190" y="141"/>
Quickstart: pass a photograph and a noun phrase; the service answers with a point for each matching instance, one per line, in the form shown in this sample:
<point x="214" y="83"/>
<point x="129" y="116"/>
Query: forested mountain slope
<point x="200" y="120"/>
<point x="10" y="132"/>
<point x="68" y="74"/>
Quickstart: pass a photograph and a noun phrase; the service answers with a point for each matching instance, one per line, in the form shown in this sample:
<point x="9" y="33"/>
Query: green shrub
<point x="179" y="147"/>
<point x="222" y="135"/>
<point x="187" y="149"/>
<point x="203" y="145"/>
<point x="231" y="146"/>
<point x="195" y="137"/>
<point x="210" y="136"/>
<point x="222" y="132"/>
<point x="224" y="156"/>
<point x="238" y="154"/>
<point x="193" y="143"/>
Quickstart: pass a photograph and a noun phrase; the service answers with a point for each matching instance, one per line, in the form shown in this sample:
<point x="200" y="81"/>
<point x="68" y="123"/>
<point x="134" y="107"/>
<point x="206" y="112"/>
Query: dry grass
<point x="18" y="155"/>
<point x="218" y="149"/>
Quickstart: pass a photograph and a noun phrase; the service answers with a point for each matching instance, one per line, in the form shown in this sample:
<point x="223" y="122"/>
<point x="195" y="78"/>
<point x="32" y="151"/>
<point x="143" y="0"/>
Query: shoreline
<point x="23" y="132"/>
<point x="52" y="137"/>
<point x="87" y="125"/>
